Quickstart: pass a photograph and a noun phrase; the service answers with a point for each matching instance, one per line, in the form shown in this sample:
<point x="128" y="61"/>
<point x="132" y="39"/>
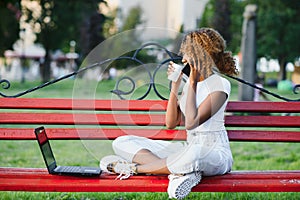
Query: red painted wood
<point x="23" y="179"/>
<point x="112" y="133"/>
<point x="90" y="133"/>
<point x="82" y="104"/>
<point x="262" y="121"/>
<point x="250" y="106"/>
<point x="264" y="136"/>
<point x="160" y="105"/>
<point x="88" y="119"/>
<point x="15" y="179"/>
<point x="138" y="119"/>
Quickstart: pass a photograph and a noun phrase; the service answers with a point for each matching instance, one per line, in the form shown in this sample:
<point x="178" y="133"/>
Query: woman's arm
<point x="196" y="116"/>
<point x="173" y="114"/>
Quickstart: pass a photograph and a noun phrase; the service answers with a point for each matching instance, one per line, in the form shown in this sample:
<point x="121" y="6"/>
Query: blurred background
<point x="42" y="40"/>
<point x="46" y="39"/>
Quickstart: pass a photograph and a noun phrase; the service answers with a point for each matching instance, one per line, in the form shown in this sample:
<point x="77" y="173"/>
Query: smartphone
<point x="186" y="70"/>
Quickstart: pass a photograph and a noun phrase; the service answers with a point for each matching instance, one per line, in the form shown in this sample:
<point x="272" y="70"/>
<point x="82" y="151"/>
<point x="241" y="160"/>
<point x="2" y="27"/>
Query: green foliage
<point x="130" y="39"/>
<point x="226" y="19"/>
<point x="207" y="17"/>
<point x="222" y="21"/>
<point x="133" y="19"/>
<point x="278" y="27"/>
<point x="9" y="27"/>
<point x="60" y="22"/>
<point x="130" y="23"/>
<point x="278" y="30"/>
<point x="237" y="9"/>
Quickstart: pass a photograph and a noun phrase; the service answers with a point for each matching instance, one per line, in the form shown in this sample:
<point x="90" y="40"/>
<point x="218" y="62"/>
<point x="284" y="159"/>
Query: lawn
<point x="247" y="156"/>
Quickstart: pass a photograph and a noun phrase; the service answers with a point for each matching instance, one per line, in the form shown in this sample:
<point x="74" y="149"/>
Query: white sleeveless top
<point x="211" y="84"/>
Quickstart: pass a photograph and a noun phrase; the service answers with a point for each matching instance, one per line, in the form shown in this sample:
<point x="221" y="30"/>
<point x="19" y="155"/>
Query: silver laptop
<point x="50" y="161"/>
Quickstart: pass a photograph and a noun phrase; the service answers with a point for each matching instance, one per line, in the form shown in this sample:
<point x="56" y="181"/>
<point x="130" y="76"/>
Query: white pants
<point x="208" y="152"/>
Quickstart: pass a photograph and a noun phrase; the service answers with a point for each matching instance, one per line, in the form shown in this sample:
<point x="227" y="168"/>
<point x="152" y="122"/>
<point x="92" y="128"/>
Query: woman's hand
<point x="194" y="71"/>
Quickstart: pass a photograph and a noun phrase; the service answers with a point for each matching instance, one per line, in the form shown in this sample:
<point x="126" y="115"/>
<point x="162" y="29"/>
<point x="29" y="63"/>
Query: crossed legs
<point x="151" y="156"/>
<point x="150" y="163"/>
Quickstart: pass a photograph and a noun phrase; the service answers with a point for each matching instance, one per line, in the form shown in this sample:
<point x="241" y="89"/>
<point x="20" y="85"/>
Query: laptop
<point x="50" y="162"/>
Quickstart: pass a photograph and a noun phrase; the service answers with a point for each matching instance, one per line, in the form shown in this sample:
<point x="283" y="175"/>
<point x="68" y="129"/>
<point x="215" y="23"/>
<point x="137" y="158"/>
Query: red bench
<point x="118" y="117"/>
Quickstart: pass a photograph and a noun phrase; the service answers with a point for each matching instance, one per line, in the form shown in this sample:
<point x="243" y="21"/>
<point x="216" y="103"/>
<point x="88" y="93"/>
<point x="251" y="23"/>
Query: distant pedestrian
<point x="112" y="73"/>
<point x="258" y="94"/>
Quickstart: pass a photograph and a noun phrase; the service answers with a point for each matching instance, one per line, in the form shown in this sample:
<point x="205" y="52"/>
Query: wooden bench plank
<point x="161" y="134"/>
<point x="83" y="119"/>
<point x="263" y="106"/>
<point x="262" y="121"/>
<point x="27" y="179"/>
<point x="82" y="104"/>
<point x="138" y="119"/>
<point x="137" y="105"/>
<point x="90" y="133"/>
<point x="264" y="136"/>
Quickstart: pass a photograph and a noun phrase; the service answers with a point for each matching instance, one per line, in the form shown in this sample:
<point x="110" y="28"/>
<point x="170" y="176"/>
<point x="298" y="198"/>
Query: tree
<point x="93" y="31"/>
<point x="278" y="27"/>
<point x="59" y="23"/>
<point x="217" y="15"/>
<point x="278" y="31"/>
<point x="129" y="41"/>
<point x="9" y="28"/>
<point x="222" y="21"/>
<point x="131" y="22"/>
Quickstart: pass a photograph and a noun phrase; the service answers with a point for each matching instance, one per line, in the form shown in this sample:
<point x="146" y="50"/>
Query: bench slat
<point x="137" y="105"/>
<point x="90" y="133"/>
<point x="138" y="119"/>
<point x="82" y="104"/>
<point x="262" y="121"/>
<point x="264" y="136"/>
<point x="267" y="106"/>
<point x="26" y="179"/>
<point x="161" y="134"/>
<point x="83" y="119"/>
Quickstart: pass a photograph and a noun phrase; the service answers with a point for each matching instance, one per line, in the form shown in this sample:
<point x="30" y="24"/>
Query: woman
<point x="202" y="105"/>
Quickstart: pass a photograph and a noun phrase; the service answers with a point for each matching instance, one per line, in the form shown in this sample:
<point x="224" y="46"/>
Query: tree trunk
<point x="248" y="46"/>
<point x="282" y="73"/>
<point x="45" y="67"/>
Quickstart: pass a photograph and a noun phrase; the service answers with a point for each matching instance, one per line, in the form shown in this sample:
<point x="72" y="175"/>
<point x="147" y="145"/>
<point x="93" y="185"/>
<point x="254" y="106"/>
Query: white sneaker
<point x="181" y="185"/>
<point x="116" y="165"/>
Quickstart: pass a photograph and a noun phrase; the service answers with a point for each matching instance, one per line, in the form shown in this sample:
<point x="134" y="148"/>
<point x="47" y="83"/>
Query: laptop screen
<point x="45" y="148"/>
<point x="48" y="155"/>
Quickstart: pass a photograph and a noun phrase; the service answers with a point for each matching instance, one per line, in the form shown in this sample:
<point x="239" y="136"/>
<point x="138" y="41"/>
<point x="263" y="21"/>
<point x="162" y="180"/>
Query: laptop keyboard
<point x="70" y="169"/>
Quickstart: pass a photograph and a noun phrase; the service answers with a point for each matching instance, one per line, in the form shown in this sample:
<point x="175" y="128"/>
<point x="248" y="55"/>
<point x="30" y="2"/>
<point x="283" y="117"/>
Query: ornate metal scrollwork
<point x="120" y="93"/>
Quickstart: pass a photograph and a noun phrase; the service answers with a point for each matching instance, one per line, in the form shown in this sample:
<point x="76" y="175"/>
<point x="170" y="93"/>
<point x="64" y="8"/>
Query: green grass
<point x="143" y="196"/>
<point x="247" y="156"/>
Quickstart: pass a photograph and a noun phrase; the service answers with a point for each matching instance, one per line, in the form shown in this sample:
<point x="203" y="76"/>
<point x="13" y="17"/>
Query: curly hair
<point x="206" y="49"/>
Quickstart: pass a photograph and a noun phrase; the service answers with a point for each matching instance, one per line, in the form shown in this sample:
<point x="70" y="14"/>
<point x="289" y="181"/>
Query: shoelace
<point x="123" y="176"/>
<point x="174" y="176"/>
<point x="124" y="169"/>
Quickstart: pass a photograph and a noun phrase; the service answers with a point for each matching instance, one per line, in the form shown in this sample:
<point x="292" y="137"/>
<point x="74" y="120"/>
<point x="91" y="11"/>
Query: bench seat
<point x="35" y="179"/>
<point x="67" y="119"/>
